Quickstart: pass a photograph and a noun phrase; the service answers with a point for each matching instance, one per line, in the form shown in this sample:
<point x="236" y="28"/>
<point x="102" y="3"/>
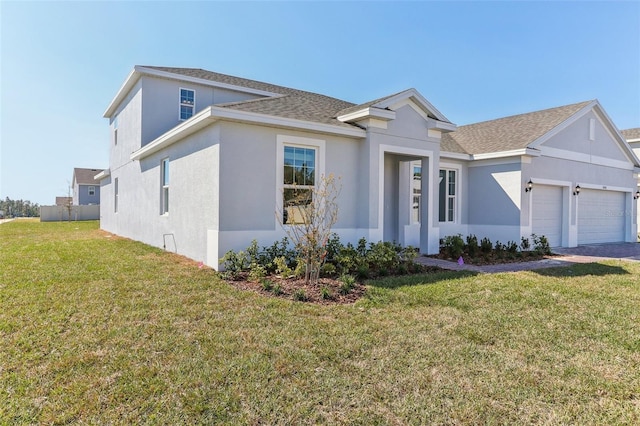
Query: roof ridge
<point x="528" y="113"/>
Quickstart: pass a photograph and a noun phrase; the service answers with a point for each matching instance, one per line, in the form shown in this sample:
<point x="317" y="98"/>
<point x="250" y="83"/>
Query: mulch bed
<point x="312" y="293"/>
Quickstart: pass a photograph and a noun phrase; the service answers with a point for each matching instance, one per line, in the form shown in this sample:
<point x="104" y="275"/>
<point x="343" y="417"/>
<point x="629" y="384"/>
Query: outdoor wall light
<point x="637" y="195"/>
<point x="529" y="186"/>
<point x="577" y="191"/>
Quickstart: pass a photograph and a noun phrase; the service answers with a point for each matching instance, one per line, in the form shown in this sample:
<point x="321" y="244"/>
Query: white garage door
<point x="547" y="213"/>
<point x="601" y="216"/>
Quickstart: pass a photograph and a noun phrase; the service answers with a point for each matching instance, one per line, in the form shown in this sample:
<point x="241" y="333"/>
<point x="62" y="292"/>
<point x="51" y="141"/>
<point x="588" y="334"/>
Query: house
<point x="86" y="189"/>
<point x="633" y="139"/>
<point x="64" y="201"/>
<point x="202" y="163"/>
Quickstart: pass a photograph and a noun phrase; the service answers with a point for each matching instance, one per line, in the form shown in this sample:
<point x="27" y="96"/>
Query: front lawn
<point x="103" y="330"/>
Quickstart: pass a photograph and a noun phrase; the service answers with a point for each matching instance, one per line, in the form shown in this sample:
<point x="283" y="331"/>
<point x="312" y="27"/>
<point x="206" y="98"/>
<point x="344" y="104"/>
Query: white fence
<point x="60" y="213"/>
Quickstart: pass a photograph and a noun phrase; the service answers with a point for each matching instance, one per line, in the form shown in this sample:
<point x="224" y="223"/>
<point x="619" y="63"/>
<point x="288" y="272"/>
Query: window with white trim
<point x="92" y="191"/>
<point x="115" y="195"/>
<point x="416" y="194"/>
<point x="187" y="103"/>
<point x="164" y="186"/>
<point x="299" y="177"/>
<point x="447" y="195"/>
<point x="115" y="130"/>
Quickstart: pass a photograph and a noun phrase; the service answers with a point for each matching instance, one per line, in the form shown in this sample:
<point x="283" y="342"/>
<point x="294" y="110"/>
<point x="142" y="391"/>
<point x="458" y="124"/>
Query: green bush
<point x="525" y="245"/>
<point x="472" y="245"/>
<point x="486" y="245"/>
<point x="512" y="247"/>
<point x="282" y="267"/>
<point x="453" y="246"/>
<point x="541" y="244"/>
<point x="325" y="293"/>
<point x="299" y="295"/>
<point x="256" y="272"/>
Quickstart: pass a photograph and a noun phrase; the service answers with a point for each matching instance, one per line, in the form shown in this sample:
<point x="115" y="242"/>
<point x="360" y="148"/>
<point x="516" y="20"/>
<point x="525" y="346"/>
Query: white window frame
<point x="318" y="145"/>
<point x="164" y="185"/>
<point x="456" y="197"/>
<point x="115" y="129"/>
<point x="115" y="195"/>
<point x="181" y="104"/>
<point x="91" y="191"/>
<point x="412" y="194"/>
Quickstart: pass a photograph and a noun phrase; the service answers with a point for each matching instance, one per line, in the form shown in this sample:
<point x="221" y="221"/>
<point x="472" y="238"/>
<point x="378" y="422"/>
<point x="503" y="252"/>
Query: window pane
<point x="442" y="197"/>
<point x="288" y="155"/>
<point x="186" y="112"/>
<point x="450" y="209"/>
<point x="288" y="175"/>
<point x="187" y="96"/>
<point x="165" y="200"/>
<point x="295" y="205"/>
<point x="165" y="172"/>
<point x="452" y="182"/>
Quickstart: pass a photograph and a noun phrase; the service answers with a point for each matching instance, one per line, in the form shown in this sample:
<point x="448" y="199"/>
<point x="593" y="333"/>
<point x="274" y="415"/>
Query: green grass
<point x="99" y="329"/>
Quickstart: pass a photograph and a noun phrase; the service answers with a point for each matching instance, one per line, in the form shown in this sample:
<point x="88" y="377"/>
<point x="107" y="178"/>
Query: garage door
<point x="547" y="213"/>
<point x="601" y="216"/>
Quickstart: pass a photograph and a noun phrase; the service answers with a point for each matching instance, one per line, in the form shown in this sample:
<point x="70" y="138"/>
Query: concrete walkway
<point x="564" y="257"/>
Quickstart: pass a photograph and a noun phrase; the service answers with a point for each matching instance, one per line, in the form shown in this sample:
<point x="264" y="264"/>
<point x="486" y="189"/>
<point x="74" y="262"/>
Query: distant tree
<point x="19" y="208"/>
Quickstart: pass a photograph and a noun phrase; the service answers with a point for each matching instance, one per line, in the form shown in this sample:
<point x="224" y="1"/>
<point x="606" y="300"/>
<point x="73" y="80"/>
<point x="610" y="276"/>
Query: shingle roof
<point x="295" y="104"/>
<point x="355" y="108"/>
<point x="631" y="134"/>
<point x="64" y="201"/>
<point x="85" y="176"/>
<point x="508" y="133"/>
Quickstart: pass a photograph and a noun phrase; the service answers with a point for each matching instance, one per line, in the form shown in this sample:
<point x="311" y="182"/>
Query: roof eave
<point x="504" y="154"/>
<point x="212" y="114"/>
<point x="365" y="113"/>
<point x="103" y="174"/>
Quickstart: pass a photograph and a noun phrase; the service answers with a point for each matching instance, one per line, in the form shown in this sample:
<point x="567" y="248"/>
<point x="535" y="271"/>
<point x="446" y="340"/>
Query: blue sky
<point x="62" y="63"/>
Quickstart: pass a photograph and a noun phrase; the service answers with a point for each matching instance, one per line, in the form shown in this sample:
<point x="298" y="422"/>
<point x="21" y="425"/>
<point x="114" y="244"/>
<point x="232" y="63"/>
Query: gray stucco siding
<point x="577" y="172"/>
<point x="161" y="103"/>
<point x="248" y="175"/>
<point x="575" y="138"/>
<point x="129" y="122"/>
<point x="192" y="196"/>
<point x="84" y="198"/>
<point x="489" y="200"/>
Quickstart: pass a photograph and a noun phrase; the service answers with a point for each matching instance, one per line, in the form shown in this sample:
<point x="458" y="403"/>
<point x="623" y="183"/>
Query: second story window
<point x="164" y="186"/>
<point x="187" y="103"/>
<point x="92" y="190"/>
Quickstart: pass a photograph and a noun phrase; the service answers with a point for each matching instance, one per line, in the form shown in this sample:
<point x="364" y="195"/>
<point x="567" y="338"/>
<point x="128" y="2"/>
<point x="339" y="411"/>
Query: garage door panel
<point x="601" y="216"/>
<point x="547" y="213"/>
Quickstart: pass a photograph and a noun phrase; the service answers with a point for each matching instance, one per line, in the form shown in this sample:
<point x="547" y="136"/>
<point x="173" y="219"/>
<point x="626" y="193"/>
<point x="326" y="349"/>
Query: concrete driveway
<point x="564" y="257"/>
<point x="629" y="251"/>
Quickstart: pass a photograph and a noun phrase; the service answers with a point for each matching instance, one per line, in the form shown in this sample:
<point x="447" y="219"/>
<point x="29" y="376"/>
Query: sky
<point x="61" y="63"/>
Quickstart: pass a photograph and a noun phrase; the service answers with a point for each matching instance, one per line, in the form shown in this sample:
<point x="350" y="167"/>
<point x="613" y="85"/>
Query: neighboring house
<point x="86" y="189"/>
<point x="202" y="163"/>
<point x="64" y="201"/>
<point x="633" y="139"/>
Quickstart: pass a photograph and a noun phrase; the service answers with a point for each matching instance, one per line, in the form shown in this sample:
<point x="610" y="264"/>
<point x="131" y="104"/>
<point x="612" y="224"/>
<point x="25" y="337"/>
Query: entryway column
<point x="426" y="208"/>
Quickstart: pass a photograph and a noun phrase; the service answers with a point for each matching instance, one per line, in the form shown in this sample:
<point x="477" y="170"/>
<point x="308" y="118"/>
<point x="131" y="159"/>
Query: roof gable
<point x="392" y="102"/>
<point x="85" y="176"/>
<point x="509" y="133"/>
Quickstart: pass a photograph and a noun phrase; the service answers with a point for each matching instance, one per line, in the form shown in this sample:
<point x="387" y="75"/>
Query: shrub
<point x="347" y="283"/>
<point x="453" y="246"/>
<point x="383" y="256"/>
<point x="541" y="244"/>
<point x="328" y="270"/>
<point x="363" y="272"/>
<point x="499" y="247"/>
<point x="299" y="295"/>
<point x="234" y="263"/>
<point x="512" y="247"/>
<point x="485" y="245"/>
<point x="267" y="285"/>
<point x="472" y="245"/>
<point x="282" y="268"/>
<point x="525" y="245"/>
<point x="409" y="254"/>
<point x="256" y="272"/>
<point x="325" y="293"/>
<point x="277" y="289"/>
